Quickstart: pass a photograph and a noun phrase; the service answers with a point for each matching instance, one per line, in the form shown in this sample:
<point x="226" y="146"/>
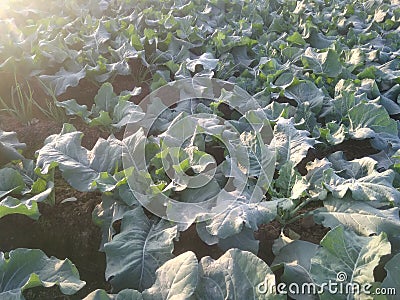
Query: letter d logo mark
<point x="262" y="287"/>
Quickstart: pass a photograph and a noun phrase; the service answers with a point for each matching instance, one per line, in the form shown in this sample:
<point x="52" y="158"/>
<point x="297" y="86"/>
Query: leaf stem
<point x="298" y="217"/>
<point x="302" y="205"/>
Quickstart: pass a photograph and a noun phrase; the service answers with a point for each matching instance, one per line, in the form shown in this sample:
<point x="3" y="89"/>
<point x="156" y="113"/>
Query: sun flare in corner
<point x="4" y="7"/>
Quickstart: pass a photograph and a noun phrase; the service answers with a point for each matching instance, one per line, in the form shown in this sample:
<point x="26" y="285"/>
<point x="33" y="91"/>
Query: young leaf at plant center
<point x="288" y="176"/>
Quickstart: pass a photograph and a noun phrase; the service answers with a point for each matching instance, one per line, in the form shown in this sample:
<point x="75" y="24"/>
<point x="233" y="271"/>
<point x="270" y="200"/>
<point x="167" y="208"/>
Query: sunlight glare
<point x="4" y="4"/>
<point x="4" y="7"/>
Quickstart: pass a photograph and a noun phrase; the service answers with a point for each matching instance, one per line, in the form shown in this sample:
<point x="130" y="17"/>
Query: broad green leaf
<point x="392" y="279"/>
<point x="105" y="100"/>
<point x="288" y="176"/>
<point x="72" y="108"/>
<point x="10" y="139"/>
<point x="79" y="166"/>
<point x="63" y="79"/>
<point x="296" y="38"/>
<point x="290" y="144"/>
<point x="276" y="110"/>
<point x="126" y="112"/>
<point x="317" y="39"/>
<point x="122" y="295"/>
<point x="198" y="195"/>
<point x="296" y="275"/>
<point x="359" y="216"/>
<point x="9" y="145"/>
<point x="261" y="159"/>
<point x="391" y="106"/>
<point x="334" y="133"/>
<point x="297" y="252"/>
<point x="244" y="240"/>
<point x="138" y="250"/>
<point x="296" y="259"/>
<point x="100" y="36"/>
<point x="56" y="50"/>
<point x="313" y="183"/>
<point x="368" y="120"/>
<point x="338" y="107"/>
<point x="356" y="56"/>
<point x="385" y="158"/>
<point x="10" y="181"/>
<point x="23" y="182"/>
<point x="22" y="269"/>
<point x="284" y="80"/>
<point x="235" y="275"/>
<point x="11" y="205"/>
<point x="103" y="119"/>
<point x="284" y="239"/>
<point x="361" y="178"/>
<point x="325" y="63"/>
<point x="175" y="279"/>
<point x="306" y="119"/>
<point x="305" y="91"/>
<point x="241" y="57"/>
<point x="235" y="215"/>
<point x="206" y="60"/>
<point x="352" y="256"/>
<point x="67" y="128"/>
<point x="110" y="210"/>
<point x="109" y="110"/>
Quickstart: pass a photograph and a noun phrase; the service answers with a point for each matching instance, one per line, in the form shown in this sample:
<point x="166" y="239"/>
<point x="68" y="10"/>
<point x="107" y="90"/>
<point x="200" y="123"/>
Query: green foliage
<point x="322" y="73"/>
<point x="109" y="111"/>
<point x="23" y="269"/>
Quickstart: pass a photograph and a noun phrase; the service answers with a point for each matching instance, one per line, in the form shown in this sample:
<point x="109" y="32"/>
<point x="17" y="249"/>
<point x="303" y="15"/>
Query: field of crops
<point x="206" y="149"/>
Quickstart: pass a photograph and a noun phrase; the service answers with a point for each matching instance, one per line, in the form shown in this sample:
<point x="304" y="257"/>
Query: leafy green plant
<point x="324" y="75"/>
<point x="109" y="111"/>
<point x="10" y="147"/>
<point x="23" y="269"/>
